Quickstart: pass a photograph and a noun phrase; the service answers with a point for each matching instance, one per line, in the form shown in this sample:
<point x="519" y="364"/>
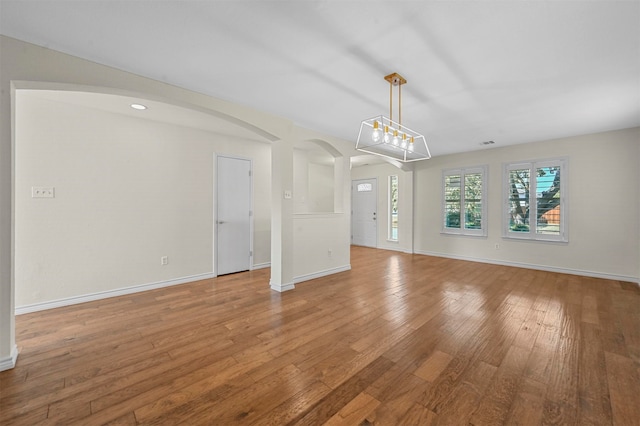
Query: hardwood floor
<point x="399" y="339"/>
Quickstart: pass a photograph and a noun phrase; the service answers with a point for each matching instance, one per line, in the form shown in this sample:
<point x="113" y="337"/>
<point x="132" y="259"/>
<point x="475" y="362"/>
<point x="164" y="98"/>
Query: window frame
<point x="390" y="209"/>
<point x="532" y="234"/>
<point x="477" y="232"/>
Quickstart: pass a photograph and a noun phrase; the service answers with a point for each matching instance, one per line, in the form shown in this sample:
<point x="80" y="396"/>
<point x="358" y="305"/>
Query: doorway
<point x="364" y="205"/>
<point x="233" y="215"/>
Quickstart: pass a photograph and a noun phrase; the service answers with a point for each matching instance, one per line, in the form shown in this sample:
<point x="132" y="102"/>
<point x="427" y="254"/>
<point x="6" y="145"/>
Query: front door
<point x="233" y="215"/>
<point x="364" y="200"/>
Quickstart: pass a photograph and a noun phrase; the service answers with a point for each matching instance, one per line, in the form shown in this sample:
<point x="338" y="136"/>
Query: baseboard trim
<point x="110" y="293"/>
<point x="281" y="288"/>
<point x="570" y="271"/>
<point x="398" y="249"/>
<point x="319" y="274"/>
<point x="10" y="362"/>
<point x="261" y="266"/>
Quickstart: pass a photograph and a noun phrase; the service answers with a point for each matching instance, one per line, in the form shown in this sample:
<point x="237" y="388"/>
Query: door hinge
<point x="250" y="253"/>
<point x="250" y="213"/>
<point x="249" y="172"/>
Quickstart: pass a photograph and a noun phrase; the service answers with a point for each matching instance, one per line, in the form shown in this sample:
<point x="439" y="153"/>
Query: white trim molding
<point x="532" y="167"/>
<point x="261" y="266"/>
<point x="319" y="274"/>
<point x="110" y="293"/>
<point x="461" y="174"/>
<point x="10" y="362"/>
<point x="282" y="288"/>
<point x="570" y="271"/>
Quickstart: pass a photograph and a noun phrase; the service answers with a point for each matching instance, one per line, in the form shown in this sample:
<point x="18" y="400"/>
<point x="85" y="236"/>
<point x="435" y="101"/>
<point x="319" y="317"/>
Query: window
<point x="535" y="195"/>
<point x="365" y="187"/>
<point x="464" y="204"/>
<point x="393" y="208"/>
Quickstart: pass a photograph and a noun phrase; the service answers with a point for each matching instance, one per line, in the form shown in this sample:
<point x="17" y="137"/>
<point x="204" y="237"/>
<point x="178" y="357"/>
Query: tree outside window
<point x="535" y="195"/>
<point x="463" y="203"/>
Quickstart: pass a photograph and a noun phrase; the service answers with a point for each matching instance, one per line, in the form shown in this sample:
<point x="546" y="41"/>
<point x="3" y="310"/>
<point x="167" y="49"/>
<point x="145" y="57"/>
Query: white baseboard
<point x="307" y="277"/>
<point x="10" y="362"/>
<point x="261" y="266"/>
<point x="281" y="288"/>
<point x="570" y="271"/>
<point x="399" y="249"/>
<point x="319" y="274"/>
<point x="110" y="293"/>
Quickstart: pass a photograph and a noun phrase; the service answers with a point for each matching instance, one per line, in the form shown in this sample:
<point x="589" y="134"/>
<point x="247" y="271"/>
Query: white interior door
<point x="233" y="215"/>
<point x="364" y="206"/>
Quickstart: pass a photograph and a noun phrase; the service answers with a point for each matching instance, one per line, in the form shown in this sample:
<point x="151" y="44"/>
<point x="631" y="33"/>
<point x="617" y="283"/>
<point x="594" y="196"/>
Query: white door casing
<point x="364" y="206"/>
<point x="233" y="215"/>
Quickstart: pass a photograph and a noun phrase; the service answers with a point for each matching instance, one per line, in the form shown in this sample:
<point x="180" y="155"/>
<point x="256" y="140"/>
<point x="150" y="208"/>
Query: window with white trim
<point x="535" y="195"/>
<point x="464" y="209"/>
<point x="393" y="208"/>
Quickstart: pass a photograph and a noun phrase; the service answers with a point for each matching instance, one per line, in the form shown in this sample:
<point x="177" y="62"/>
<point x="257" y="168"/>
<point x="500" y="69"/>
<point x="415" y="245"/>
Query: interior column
<point x="282" y="215"/>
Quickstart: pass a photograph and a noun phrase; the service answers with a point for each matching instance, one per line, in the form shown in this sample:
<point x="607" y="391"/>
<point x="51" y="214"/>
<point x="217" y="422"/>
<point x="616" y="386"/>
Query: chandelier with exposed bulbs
<point x="382" y="136"/>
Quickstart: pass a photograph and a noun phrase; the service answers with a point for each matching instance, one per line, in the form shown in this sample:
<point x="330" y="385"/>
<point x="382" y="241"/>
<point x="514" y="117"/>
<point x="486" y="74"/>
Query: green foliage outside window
<point x="463" y="200"/>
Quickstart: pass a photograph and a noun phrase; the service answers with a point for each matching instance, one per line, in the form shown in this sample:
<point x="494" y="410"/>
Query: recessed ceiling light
<point x="138" y="106"/>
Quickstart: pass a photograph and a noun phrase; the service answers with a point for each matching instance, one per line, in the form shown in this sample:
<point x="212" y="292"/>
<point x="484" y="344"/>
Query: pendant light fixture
<point x="382" y="136"/>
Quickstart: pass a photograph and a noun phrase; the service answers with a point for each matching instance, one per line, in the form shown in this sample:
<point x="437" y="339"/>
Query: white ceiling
<point x="512" y="72"/>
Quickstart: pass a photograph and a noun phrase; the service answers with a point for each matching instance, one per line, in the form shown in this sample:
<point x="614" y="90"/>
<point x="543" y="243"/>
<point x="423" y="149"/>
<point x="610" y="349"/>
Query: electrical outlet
<point x="497" y="246"/>
<point x="164" y="260"/>
<point x="329" y="253"/>
<point x="42" y="192"/>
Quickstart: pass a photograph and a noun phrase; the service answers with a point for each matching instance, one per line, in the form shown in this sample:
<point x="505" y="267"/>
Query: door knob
<point x="220" y="222"/>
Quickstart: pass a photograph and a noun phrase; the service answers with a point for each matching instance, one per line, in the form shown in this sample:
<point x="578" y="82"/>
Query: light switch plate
<point x="287" y="194"/>
<point x="42" y="192"/>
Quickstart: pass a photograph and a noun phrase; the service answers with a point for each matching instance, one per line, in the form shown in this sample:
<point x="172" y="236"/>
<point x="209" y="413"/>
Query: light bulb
<point x="375" y="136"/>
<point x="411" y="144"/>
<point x="404" y="141"/>
<point x="387" y="137"/>
<point x="395" y="137"/>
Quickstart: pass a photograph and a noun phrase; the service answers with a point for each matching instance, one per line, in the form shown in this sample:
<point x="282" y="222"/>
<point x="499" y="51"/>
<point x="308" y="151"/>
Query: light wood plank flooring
<point x="399" y="339"/>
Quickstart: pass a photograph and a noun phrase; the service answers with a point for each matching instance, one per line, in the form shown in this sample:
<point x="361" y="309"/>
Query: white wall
<point x="127" y="191"/>
<point x="321" y="186"/>
<point x="604" y="205"/>
<point x="300" y="181"/>
<point x="313" y="184"/>
<point x="319" y="240"/>
<point x="405" y="204"/>
<point x="317" y="234"/>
